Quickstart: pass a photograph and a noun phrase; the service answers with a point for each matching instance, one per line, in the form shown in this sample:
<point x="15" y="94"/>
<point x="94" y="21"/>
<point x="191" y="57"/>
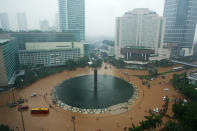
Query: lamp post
<point x="22" y="121"/>
<point x="73" y="119"/>
<point x="13" y="95"/>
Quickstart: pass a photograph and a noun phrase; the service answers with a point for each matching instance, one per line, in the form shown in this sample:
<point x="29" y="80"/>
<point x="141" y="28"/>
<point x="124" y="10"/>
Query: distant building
<point x="72" y="16"/>
<point x="44" y="25"/>
<point x="22" y="21"/>
<point x="52" y="53"/>
<point x="140" y="28"/>
<point x="57" y="23"/>
<point x="4" y="21"/>
<point x="109" y="51"/>
<point x="8" y="54"/>
<point x="181" y="19"/>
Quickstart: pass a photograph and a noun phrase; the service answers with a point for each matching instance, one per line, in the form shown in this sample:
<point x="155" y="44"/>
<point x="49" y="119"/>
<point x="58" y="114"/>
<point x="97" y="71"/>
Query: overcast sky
<point x="100" y="14"/>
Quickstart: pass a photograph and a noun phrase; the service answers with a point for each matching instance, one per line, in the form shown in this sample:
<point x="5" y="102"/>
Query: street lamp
<point x="22" y="120"/>
<point x="73" y="119"/>
<point x="13" y="95"/>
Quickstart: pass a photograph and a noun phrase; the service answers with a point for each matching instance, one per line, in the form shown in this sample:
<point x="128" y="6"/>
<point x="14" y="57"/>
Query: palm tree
<point x="171" y="126"/>
<point x="5" y="128"/>
<point x="134" y="128"/>
<point x="158" y="120"/>
<point x="144" y="125"/>
<point x="151" y="121"/>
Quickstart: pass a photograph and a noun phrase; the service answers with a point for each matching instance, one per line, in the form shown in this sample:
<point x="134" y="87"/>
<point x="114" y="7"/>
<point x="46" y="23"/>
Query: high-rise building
<point x="181" y="19"/>
<point x="72" y="16"/>
<point x="44" y="25"/>
<point x="138" y="29"/>
<point x="8" y="54"/>
<point x="4" y="21"/>
<point x="22" y="21"/>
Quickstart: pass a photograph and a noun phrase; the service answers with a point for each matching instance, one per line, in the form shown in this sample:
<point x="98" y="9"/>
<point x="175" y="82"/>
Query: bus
<point x="40" y="111"/>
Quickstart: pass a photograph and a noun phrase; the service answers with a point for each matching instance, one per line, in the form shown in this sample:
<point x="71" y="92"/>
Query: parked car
<point x="12" y="105"/>
<point x="33" y="95"/>
<point x="20" y="101"/>
<point x="23" y="108"/>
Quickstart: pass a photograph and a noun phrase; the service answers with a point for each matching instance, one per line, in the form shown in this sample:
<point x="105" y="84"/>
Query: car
<point x="12" y="105"/>
<point x="33" y="95"/>
<point x="20" y="101"/>
<point x="23" y="108"/>
<point x="164" y="98"/>
<point x="156" y="110"/>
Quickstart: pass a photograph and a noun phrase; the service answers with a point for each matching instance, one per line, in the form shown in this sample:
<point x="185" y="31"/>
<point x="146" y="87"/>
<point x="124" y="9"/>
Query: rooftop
<point x="192" y="76"/>
<point x="141" y="11"/>
<point x="3" y="41"/>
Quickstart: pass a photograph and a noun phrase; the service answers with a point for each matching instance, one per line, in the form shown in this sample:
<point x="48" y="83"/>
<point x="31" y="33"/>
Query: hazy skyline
<point x="100" y="14"/>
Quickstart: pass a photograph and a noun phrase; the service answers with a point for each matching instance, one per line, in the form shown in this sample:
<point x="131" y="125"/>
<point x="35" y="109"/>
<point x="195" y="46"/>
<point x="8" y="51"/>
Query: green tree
<point x="83" y="62"/>
<point x="5" y="128"/>
<point x="151" y="121"/>
<point x="153" y="71"/>
<point x="109" y="42"/>
<point x="144" y="125"/>
<point x="134" y="128"/>
<point x="71" y="65"/>
<point x="171" y="126"/>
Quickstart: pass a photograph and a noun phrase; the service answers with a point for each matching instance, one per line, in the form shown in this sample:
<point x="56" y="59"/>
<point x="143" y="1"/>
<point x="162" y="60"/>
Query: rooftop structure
<point x="23" y="37"/>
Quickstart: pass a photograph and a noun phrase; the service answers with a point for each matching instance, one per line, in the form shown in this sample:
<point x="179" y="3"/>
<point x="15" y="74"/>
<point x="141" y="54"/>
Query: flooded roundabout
<point x="95" y="94"/>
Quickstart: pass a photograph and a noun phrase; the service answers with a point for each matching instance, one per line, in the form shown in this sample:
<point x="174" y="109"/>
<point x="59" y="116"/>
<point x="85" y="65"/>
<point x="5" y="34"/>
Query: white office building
<point x="52" y="53"/>
<point x="139" y="28"/>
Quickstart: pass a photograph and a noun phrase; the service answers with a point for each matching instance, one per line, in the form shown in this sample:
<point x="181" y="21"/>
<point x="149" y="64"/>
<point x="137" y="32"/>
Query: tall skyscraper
<point x="44" y="25"/>
<point x="22" y="21"/>
<point x="139" y="28"/>
<point x="4" y="21"/>
<point x="72" y="16"/>
<point x="181" y="19"/>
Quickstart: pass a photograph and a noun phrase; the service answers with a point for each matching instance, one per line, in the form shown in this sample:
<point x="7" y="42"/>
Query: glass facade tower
<point x="72" y="16"/>
<point x="8" y="63"/>
<point x="181" y="19"/>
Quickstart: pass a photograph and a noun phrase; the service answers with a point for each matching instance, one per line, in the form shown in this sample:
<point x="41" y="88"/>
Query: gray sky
<point x="100" y="14"/>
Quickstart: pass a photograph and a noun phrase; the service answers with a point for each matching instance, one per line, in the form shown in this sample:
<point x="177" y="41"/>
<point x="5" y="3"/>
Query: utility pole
<point x="22" y="121"/>
<point x="13" y="95"/>
<point x="73" y="119"/>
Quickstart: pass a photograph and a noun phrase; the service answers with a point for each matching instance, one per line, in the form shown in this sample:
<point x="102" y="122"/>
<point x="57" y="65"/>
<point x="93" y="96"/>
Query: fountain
<point x="94" y="91"/>
<point x="95" y="81"/>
